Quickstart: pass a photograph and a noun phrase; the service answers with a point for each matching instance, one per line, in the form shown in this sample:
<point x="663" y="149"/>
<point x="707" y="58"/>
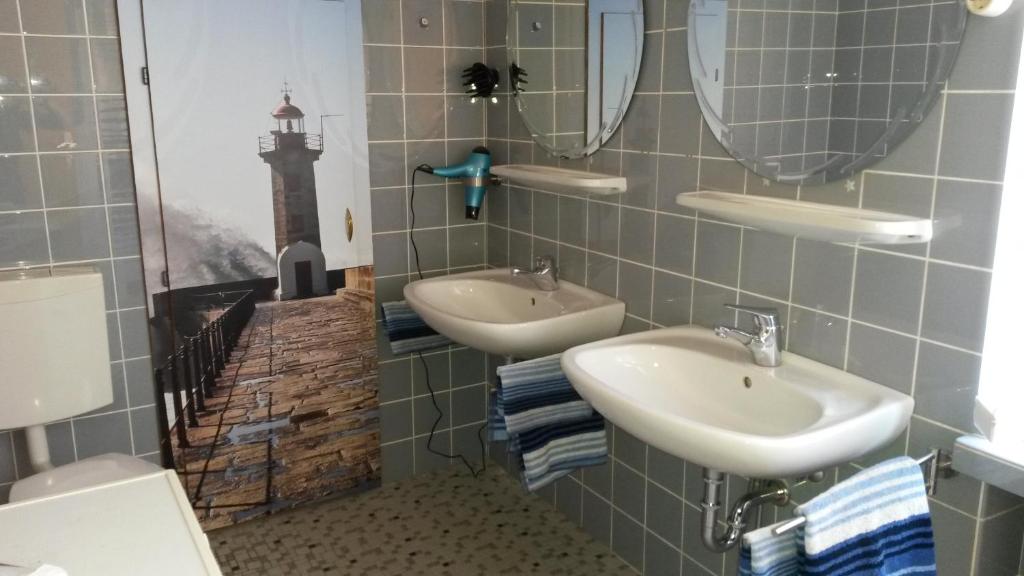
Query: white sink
<point x="493" y="311"/>
<point x="701" y="398"/>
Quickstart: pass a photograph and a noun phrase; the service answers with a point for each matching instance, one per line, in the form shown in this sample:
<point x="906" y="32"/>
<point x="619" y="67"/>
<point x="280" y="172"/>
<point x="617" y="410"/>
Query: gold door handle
<point x="349" y="224"/>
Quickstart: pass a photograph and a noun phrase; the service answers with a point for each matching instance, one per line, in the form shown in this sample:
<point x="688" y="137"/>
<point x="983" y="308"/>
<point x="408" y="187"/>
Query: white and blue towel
<point x="407" y="332"/>
<point x="765" y="554"/>
<point x="555" y="450"/>
<point x="536" y="392"/>
<point x="876" y="523"/>
<point x="545" y="422"/>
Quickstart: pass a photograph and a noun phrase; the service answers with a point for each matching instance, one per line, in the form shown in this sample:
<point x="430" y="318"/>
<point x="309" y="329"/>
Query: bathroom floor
<point x="443" y="523"/>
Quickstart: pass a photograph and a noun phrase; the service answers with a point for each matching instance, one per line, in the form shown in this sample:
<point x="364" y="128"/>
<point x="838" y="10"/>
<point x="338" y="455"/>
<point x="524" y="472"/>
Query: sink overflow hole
<point x="747" y="382"/>
<point x="533" y="301"/>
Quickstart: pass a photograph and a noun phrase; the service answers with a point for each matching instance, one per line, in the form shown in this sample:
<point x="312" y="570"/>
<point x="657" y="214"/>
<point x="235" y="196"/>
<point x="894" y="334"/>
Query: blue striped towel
<point x="407" y="332"/>
<point x="765" y="554"/>
<point x="874" y="524"/>
<point x="496" y="420"/>
<point x="555" y="450"/>
<point x="545" y="421"/>
<point x="536" y="392"/>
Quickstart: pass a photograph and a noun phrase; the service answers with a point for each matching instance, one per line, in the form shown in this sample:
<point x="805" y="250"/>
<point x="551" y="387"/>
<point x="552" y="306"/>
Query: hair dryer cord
<point x="427" y="168"/>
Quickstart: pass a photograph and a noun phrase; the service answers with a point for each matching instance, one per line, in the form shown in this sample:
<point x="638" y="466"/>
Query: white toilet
<point x="55" y="364"/>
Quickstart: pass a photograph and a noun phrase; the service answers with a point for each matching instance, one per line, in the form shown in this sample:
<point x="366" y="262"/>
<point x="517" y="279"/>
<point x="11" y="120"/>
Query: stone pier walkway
<point x="294" y="414"/>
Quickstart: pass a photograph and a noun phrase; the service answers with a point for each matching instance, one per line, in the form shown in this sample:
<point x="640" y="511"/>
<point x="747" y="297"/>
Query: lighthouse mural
<point x="291" y="152"/>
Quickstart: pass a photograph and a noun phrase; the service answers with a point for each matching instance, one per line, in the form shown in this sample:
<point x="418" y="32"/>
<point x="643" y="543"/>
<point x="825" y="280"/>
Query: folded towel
<point x="874" y="524"/>
<point x="545" y="422"/>
<point x="496" y="419"/>
<point x="536" y="392"/>
<point x="765" y="554"/>
<point x="407" y="332"/>
<point x="555" y="450"/>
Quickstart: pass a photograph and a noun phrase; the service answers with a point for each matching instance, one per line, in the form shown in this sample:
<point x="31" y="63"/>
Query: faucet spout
<point x="744" y="337"/>
<point x="544" y="274"/>
<point x="763" y="342"/>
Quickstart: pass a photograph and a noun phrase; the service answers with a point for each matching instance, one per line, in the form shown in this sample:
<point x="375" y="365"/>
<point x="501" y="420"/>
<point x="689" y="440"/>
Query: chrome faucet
<point x="763" y="343"/>
<point x="544" y="273"/>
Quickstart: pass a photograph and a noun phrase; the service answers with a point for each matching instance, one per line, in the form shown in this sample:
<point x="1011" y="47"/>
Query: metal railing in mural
<point x="189" y="373"/>
<point x="272" y="142"/>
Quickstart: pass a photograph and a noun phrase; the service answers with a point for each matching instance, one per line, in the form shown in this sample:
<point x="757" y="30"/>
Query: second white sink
<point x="701" y="398"/>
<point x="493" y="311"/>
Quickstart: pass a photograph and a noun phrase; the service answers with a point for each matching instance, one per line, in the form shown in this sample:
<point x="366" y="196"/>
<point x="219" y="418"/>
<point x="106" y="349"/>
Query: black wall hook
<point x="480" y="80"/>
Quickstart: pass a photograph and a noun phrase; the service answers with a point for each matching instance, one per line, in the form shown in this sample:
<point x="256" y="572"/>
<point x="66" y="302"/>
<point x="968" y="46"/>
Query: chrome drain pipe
<point x="774" y="492"/>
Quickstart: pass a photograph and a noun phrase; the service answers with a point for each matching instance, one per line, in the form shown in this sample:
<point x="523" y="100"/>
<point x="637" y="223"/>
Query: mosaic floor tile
<point x="446" y="524"/>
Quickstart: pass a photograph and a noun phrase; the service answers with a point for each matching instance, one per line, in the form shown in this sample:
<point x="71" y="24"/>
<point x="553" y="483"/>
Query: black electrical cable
<point x="426" y="369"/>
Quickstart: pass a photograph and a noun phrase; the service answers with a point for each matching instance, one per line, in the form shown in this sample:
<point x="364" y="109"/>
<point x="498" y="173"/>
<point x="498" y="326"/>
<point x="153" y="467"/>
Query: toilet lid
<point x="82" y="474"/>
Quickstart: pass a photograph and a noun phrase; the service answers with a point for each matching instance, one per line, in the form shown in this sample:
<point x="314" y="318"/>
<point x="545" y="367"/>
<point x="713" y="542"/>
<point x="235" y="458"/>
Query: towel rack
<point x="939" y="463"/>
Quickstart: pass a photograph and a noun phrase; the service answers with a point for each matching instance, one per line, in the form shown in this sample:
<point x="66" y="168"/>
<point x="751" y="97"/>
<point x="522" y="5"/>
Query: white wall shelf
<point x="555" y="179"/>
<point x="809" y="219"/>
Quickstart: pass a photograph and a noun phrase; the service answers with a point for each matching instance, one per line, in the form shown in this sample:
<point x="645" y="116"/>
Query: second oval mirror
<point x="573" y="67"/>
<point x="809" y="91"/>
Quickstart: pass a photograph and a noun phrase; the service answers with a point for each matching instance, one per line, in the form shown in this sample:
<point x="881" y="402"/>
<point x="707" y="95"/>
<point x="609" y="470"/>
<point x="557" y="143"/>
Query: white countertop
<point x="143" y="525"/>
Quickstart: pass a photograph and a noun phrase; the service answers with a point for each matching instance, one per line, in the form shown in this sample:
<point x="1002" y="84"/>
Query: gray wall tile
<point x="660" y="559"/>
<point x="102" y="434"/>
<point x="12" y="64"/>
<point x="53" y="17"/>
<point x="19" y="177"/>
<point x="23" y="239"/>
<point x="887" y="291"/>
<point x="570" y="499"/>
<point x="946" y="384"/>
<point x="16" y="117"/>
<point x="974" y="135"/>
<point x="58" y="65"/>
<point x="71" y="180"/>
<point x="64" y="122"/>
<point x="767" y="263"/>
<point x="717" y="252"/>
<point x="381" y="22"/>
<point x="881" y="356"/>
<point x="975" y="206"/>
<point x="628" y="540"/>
<point x="817" y="336"/>
<point x="954" y="306"/>
<point x="597" y="517"/>
<point x="822" y="274"/>
<point x="78" y="234"/>
<point x="637" y="236"/>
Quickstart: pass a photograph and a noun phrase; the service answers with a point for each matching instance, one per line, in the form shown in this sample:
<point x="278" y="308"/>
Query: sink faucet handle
<point x="546" y="262"/>
<point x="764" y="317"/>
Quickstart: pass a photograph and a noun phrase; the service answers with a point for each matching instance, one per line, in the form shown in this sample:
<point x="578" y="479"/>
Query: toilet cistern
<point x="55" y="364"/>
<point x="763" y="342"/>
<point x="54" y="358"/>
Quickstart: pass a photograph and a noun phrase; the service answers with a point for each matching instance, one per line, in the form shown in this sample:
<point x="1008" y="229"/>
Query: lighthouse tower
<point x="291" y="152"/>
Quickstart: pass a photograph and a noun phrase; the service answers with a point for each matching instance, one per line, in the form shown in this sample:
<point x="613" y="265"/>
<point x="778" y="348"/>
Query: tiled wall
<point x="417" y="112"/>
<point x="67" y="197"/>
<point x="908" y="317"/>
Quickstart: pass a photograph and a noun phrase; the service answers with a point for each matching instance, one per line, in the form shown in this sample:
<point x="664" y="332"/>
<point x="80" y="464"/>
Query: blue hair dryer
<point x="475" y="173"/>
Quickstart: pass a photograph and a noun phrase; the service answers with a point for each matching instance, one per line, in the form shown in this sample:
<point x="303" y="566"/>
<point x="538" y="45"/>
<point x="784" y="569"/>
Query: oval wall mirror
<point x="811" y="91"/>
<point x="572" y="68"/>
